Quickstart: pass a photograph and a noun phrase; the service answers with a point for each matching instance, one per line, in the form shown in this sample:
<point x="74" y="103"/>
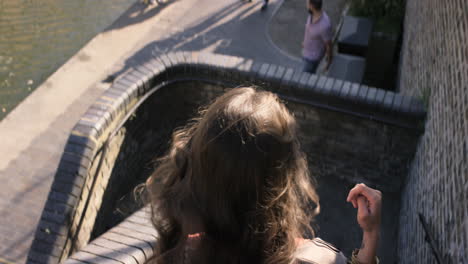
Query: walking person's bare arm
<point x="368" y="202"/>
<point x="328" y="53"/>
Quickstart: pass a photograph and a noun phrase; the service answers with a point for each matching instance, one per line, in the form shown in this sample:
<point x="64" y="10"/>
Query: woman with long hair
<point x="235" y="188"/>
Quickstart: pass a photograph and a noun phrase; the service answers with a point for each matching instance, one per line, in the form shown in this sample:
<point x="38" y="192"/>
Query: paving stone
<point x="362" y="94"/>
<point x="109" y="254"/>
<point x="372" y="96"/>
<point x="397" y="102"/>
<point x="380" y="96"/>
<point x="54" y="217"/>
<point x="287" y="76"/>
<point x="67" y="199"/>
<point x="73" y="170"/>
<point x="303" y="79"/>
<point x="58" y="207"/>
<point x="345" y="90"/>
<point x="388" y="100"/>
<point x="41" y="258"/>
<point x="327" y="88"/>
<point x="147" y="249"/>
<point x="406" y="104"/>
<point x="271" y="72"/>
<point x="255" y="70"/>
<point x="353" y="92"/>
<point x="280" y="72"/>
<point x="336" y="88"/>
<point x="320" y="86"/>
<point x="74" y="261"/>
<point x="93" y="259"/>
<point x="139" y="228"/>
<point x="135" y="252"/>
<point x="313" y="81"/>
<point x="149" y="239"/>
<point x="296" y="77"/>
<point x="263" y="70"/>
<point x="47" y="250"/>
<point x="43" y="237"/>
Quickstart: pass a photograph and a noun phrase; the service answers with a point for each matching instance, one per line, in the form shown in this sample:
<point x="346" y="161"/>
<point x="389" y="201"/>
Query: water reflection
<point x="37" y="37"/>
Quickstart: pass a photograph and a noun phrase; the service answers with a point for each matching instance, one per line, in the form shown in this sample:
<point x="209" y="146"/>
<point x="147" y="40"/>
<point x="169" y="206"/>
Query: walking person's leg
<point x="310" y="66"/>
<point x="265" y="5"/>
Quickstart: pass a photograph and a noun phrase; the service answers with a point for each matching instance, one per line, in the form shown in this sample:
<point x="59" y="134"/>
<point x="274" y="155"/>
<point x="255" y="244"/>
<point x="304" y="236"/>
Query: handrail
<point x="429" y="239"/>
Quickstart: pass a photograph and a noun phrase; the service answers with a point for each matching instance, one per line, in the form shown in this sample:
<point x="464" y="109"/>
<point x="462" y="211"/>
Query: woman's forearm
<point x="368" y="250"/>
<point x="368" y="201"/>
<point x="329" y="51"/>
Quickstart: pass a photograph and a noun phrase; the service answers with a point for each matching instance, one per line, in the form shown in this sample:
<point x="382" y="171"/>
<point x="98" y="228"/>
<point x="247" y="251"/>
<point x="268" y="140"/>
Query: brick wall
<point x="435" y="67"/>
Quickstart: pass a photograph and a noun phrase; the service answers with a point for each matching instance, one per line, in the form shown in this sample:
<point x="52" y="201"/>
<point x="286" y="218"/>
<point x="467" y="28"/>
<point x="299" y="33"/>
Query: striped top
<point x="317" y="251"/>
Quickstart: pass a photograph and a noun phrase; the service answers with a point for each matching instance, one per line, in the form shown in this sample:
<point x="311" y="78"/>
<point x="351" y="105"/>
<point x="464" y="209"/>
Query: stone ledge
<point x="131" y="242"/>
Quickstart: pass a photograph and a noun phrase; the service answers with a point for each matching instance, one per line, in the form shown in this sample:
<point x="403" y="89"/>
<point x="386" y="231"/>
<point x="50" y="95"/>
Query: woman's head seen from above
<point x="237" y="175"/>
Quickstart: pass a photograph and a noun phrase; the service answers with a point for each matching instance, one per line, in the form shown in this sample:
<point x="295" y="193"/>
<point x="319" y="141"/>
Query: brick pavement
<point x="228" y="27"/>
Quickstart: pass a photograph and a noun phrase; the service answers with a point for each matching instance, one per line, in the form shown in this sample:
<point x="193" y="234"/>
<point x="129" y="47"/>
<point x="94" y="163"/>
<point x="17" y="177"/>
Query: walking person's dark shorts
<point x="310" y="66"/>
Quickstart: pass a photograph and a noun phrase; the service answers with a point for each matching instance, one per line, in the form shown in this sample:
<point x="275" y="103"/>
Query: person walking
<point x="264" y="6"/>
<point x="317" y="37"/>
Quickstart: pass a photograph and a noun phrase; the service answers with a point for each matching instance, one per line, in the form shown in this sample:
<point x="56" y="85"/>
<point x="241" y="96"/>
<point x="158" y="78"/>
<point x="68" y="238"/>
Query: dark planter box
<point x="355" y="36"/>
<point x="348" y="68"/>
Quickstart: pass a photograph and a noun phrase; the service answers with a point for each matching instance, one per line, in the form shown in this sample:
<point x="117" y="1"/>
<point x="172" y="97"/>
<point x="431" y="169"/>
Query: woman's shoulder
<point x="319" y="251"/>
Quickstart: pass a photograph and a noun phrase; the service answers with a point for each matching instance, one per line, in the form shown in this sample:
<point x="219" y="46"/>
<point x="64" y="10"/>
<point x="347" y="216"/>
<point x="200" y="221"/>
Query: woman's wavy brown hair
<point x="236" y="177"/>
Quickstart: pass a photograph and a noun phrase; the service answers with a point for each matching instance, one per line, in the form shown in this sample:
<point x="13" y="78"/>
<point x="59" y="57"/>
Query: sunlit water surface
<point x="38" y="36"/>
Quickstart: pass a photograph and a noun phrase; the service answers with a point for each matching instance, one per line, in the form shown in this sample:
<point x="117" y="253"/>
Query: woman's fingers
<point x="363" y="208"/>
<point x="361" y="189"/>
<point x="368" y="203"/>
<point x="352" y="194"/>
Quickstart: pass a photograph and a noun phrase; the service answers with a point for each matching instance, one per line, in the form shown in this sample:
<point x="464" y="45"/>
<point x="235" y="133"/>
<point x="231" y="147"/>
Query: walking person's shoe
<point x="264" y="6"/>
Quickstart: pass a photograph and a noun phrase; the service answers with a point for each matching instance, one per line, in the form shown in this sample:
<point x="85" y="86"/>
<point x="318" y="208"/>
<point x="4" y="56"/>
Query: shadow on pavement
<point x="239" y="29"/>
<point x="138" y="13"/>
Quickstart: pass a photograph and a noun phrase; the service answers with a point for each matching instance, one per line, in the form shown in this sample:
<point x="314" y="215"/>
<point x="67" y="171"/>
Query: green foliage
<point x="388" y="14"/>
<point x="379" y="8"/>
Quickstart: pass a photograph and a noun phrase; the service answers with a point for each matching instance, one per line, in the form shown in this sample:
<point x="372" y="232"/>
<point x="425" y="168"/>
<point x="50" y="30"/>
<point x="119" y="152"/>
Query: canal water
<point x="38" y="36"/>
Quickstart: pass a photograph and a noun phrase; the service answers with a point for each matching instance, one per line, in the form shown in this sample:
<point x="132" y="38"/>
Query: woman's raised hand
<point x="368" y="201"/>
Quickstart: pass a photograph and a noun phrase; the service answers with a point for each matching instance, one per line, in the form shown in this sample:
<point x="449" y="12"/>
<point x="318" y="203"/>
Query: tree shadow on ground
<point x="138" y="13"/>
<point x="239" y="29"/>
